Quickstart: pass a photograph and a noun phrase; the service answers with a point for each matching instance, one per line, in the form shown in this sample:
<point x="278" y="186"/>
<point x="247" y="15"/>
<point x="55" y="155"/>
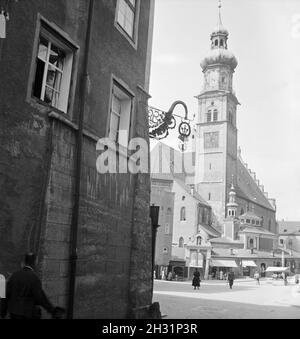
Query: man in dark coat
<point x="24" y="294"/>
<point x="230" y="279"/>
<point x="196" y="279"/>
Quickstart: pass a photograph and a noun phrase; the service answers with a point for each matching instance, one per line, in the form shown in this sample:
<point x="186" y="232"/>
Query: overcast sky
<point x="265" y="38"/>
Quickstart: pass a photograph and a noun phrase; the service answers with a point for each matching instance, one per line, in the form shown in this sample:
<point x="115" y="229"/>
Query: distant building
<point x="218" y="159"/>
<point x="289" y="235"/>
<point x="242" y="232"/>
<point x="71" y="75"/>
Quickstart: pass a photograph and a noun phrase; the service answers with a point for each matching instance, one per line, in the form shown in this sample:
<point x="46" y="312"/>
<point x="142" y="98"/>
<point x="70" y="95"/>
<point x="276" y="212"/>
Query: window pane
<point x="129" y="23"/>
<point x="43" y="49"/>
<point x="116" y="105"/>
<point x="126" y="16"/>
<point x="57" y="57"/>
<point x="54" y="78"/>
<point x="114" y="126"/>
<point x="48" y="95"/>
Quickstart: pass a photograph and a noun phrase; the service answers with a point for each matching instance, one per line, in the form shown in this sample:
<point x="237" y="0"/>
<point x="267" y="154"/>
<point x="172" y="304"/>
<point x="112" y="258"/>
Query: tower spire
<point x="220" y="14"/>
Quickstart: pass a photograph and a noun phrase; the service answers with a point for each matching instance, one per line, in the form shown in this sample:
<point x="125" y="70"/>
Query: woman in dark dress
<point x="196" y="279"/>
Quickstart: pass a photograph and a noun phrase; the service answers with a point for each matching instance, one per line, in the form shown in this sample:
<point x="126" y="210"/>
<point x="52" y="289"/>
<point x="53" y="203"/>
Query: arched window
<point x="208" y="116"/>
<point x="216" y="42"/>
<point x="215" y="115"/>
<point x="221" y="43"/>
<point x="209" y="196"/>
<point x="182" y="214"/>
<point x="181" y="242"/>
<point x="199" y="241"/>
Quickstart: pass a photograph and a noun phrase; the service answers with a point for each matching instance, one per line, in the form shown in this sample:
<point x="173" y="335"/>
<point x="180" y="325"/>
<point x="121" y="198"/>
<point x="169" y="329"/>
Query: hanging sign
<point x="185" y="129"/>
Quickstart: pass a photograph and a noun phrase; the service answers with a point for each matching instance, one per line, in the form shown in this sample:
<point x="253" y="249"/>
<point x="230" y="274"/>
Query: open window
<point x="54" y="62"/>
<point x="120" y="117"/>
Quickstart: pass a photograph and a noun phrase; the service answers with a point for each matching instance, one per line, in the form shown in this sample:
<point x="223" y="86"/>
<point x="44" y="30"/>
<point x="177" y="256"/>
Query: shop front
<point x="249" y="268"/>
<point x="219" y="268"/>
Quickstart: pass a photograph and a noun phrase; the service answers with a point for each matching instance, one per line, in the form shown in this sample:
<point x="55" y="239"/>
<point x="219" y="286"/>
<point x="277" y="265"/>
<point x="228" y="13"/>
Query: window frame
<point x="215" y="115"/>
<point x="209" y="116"/>
<point x="183" y="213"/>
<point x="134" y="39"/>
<point x="122" y="86"/>
<point x="60" y="39"/>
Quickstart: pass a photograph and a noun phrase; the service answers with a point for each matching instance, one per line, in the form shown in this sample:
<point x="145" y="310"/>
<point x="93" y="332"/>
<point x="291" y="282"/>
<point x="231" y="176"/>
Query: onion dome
<point x="220" y="56"/>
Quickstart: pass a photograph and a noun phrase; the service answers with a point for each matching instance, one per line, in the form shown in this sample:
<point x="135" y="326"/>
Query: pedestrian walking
<point x="230" y="279"/>
<point x="256" y="277"/>
<point x="196" y="279"/>
<point x="284" y="277"/>
<point x="221" y="275"/>
<point x="25" y="296"/>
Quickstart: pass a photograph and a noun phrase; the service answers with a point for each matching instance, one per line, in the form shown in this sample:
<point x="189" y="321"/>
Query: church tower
<point x="216" y="137"/>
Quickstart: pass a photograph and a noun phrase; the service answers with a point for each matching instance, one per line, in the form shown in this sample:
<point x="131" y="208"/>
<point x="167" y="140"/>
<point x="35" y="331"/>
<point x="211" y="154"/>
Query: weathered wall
<point x="37" y="159"/>
<point x="164" y="199"/>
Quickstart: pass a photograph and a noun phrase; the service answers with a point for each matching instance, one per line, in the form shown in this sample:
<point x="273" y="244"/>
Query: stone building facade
<point x="218" y="158"/>
<point x="68" y="65"/>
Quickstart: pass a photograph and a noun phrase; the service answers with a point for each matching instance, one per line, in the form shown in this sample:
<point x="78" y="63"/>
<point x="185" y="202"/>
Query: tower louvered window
<point x="215" y="115"/>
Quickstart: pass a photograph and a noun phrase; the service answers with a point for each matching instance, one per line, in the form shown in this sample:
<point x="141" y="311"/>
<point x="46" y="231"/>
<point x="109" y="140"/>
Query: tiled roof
<point x="195" y="194"/>
<point x="257" y="230"/>
<point x="210" y="230"/>
<point x="224" y="240"/>
<point x="166" y="164"/>
<point x="248" y="189"/>
<point x="249" y="215"/>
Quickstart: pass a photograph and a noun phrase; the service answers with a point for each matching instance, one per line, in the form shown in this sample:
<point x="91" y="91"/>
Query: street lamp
<point x="154" y="215"/>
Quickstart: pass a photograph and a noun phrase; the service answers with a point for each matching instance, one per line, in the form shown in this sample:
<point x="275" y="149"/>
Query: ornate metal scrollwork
<point x="161" y="122"/>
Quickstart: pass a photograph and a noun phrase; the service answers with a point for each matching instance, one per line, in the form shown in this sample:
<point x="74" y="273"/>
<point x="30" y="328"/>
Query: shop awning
<point x="223" y="263"/>
<point x="277" y="269"/>
<point x="249" y="263"/>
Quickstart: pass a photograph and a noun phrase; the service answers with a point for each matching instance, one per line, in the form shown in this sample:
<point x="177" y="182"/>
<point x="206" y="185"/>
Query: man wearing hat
<point x="24" y="294"/>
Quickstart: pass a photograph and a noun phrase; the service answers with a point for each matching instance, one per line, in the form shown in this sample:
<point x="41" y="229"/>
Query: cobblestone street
<point x="214" y="300"/>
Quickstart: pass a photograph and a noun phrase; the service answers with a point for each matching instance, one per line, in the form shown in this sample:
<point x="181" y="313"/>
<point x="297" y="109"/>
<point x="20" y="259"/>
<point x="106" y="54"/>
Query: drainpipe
<point x="78" y="169"/>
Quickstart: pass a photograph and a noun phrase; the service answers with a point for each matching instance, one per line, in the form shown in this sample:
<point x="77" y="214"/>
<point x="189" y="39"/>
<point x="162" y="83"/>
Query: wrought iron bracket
<point x="160" y="122"/>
